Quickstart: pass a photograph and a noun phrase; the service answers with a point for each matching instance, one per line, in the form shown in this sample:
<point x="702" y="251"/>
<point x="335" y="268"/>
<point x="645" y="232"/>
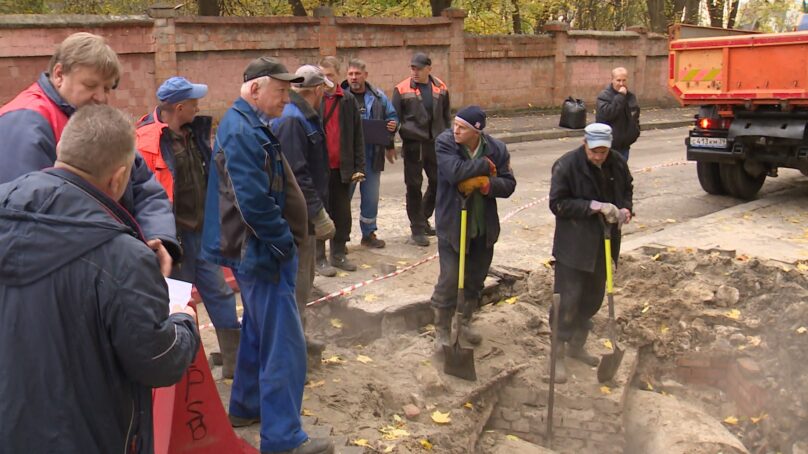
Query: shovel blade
<point x="459" y="361"/>
<point x="609" y="364"/>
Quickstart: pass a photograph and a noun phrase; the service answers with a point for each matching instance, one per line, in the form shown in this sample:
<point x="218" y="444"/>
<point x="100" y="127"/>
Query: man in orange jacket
<point x="175" y="143"/>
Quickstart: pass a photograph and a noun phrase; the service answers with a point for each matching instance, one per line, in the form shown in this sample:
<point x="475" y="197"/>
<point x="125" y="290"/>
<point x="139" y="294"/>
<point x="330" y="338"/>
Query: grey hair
<point x="97" y="139"/>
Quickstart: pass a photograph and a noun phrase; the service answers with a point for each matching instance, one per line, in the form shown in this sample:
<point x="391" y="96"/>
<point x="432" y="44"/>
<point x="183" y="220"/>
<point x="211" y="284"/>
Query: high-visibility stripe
<point x="712" y="74"/>
<point x="690" y="75"/>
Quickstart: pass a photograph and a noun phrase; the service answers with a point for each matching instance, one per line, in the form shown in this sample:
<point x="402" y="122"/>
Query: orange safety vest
<point x="149" y="132"/>
<point x="408" y="86"/>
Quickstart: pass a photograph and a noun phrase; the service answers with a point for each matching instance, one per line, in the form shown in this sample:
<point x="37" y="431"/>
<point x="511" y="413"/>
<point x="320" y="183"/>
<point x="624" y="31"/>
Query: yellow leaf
<point x="512" y="437"/>
<point x="393" y="433"/>
<point x="403" y="262"/>
<point x="315" y="384"/>
<point x="333" y="360"/>
<point x="389" y="448"/>
<point x="802" y="267"/>
<point x="731" y="420"/>
<point x="547" y="264"/>
<point x="441" y="418"/>
<point x="370" y="297"/>
<point x="646" y="309"/>
<point x="663" y="329"/>
<point x="364" y="266"/>
<point x="670" y="221"/>
<point x="734" y="314"/>
<point x="757" y="419"/>
<point x="425" y="444"/>
<point x="361" y="442"/>
<point x="364" y="359"/>
<point x="512" y="300"/>
<point x="649" y="386"/>
<point x="655" y="257"/>
<point x="754" y="341"/>
<point x="608" y="344"/>
<point x="469" y="405"/>
<point x="343" y="274"/>
<point x="802" y="330"/>
<point x="306" y="412"/>
<point x="336" y="323"/>
<point x="397" y="418"/>
<point x="336" y="380"/>
<point x="605" y="390"/>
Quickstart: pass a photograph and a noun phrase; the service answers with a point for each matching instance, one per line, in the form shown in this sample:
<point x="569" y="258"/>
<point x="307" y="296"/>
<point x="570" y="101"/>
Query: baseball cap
<point x="420" y="59"/>
<point x="312" y="76"/>
<point x="178" y="89"/>
<point x="268" y="66"/>
<point x="598" y="135"/>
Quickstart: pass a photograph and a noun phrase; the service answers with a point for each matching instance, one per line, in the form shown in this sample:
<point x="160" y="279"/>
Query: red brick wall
<point x="497" y="72"/>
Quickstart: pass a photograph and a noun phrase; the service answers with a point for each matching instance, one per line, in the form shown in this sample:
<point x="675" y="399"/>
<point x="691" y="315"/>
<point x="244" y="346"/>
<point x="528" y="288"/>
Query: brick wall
<point x="740" y="378"/>
<point x="497" y="72"/>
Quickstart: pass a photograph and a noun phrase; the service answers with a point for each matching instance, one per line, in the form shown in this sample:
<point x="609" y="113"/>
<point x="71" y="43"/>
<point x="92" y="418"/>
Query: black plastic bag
<point x="573" y="114"/>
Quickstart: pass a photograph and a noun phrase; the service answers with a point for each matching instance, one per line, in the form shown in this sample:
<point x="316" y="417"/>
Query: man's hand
<point x="323" y="226"/>
<point x="623" y="90"/>
<point x="391" y="155"/>
<point x="469" y="185"/>
<point x="608" y="210"/>
<point x="492" y="168"/>
<point x="391" y="125"/>
<point x="163" y="257"/>
<point x="357" y="177"/>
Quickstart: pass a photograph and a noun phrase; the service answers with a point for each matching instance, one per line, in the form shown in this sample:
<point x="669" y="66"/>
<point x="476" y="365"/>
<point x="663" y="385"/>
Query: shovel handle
<point x="461" y="273"/>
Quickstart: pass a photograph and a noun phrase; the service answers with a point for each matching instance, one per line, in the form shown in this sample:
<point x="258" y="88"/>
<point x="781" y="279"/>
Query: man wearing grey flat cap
<point x="252" y="213"/>
<point x="589" y="185"/>
<point x="422" y="104"/>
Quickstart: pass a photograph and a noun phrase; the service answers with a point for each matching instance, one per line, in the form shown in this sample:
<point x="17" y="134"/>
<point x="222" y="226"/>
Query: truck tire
<point x="739" y="183"/>
<point x="710" y="178"/>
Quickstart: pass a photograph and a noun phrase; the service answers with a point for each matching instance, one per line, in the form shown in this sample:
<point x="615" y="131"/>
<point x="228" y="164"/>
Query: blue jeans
<point x="218" y="297"/>
<point x="369" y="193"/>
<point x="271" y="364"/>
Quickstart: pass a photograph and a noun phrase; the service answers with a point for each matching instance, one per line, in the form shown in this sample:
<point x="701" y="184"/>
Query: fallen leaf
<point x="370" y="297"/>
<point x="742" y="258"/>
<point x="425" y="444"/>
<point x="547" y="264"/>
<point x="364" y="359"/>
<point x="306" y="412"/>
<point x="663" y="329"/>
<point x="649" y="386"/>
<point x="605" y="390"/>
<point x="390" y="433"/>
<point x="655" y="257"/>
<point x="670" y="221"/>
<point x="646" y="309"/>
<point x="734" y="314"/>
<point x="512" y="437"/>
<point x="389" y="448"/>
<point x="403" y="262"/>
<point x="441" y="418"/>
<point x="397" y="419"/>
<point x="754" y="341"/>
<point x="670" y="249"/>
<point x="336" y="323"/>
<point x="333" y="360"/>
<point x="342" y="274"/>
<point x="361" y="442"/>
<point x="364" y="266"/>
<point x="336" y="380"/>
<point x="802" y="330"/>
<point x="757" y="419"/>
<point x="802" y="267"/>
<point x="608" y="344"/>
<point x="512" y="300"/>
<point x="315" y="384"/>
<point x="731" y="420"/>
<point x="469" y="405"/>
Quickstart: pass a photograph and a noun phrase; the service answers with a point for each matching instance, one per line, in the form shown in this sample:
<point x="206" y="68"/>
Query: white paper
<point x="179" y="294"/>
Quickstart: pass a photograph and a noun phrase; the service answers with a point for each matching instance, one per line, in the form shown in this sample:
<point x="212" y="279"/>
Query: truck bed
<point x="754" y="69"/>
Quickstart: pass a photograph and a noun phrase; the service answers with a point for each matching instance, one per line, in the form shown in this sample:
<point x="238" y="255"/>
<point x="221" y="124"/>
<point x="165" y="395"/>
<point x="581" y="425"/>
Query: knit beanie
<point x="473" y="116"/>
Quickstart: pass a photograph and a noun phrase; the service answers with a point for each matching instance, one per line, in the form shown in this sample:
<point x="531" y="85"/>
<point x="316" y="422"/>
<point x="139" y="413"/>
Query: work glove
<point x="492" y="168"/>
<point x="357" y="177"/>
<point x="469" y="185"/>
<point x="323" y="226"/>
<point x="608" y="210"/>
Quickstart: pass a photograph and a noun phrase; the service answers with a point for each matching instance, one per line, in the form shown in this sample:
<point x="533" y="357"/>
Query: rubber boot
<point x="469" y="333"/>
<point x="228" y="344"/>
<point x="560" y="367"/>
<point x="314" y="348"/>
<point x="577" y="348"/>
<point x="443" y="321"/>
<point x="310" y="446"/>
<point x="339" y="258"/>
<point x="321" y="265"/>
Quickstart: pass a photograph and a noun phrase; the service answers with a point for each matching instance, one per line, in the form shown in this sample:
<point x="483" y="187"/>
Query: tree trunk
<point x="619" y="15"/>
<point x="692" y="12"/>
<point x="297" y="8"/>
<point x="716" y="10"/>
<point x="517" y="18"/>
<point x="733" y="13"/>
<point x="438" y="6"/>
<point x="656" y="15"/>
<point x="209" y="8"/>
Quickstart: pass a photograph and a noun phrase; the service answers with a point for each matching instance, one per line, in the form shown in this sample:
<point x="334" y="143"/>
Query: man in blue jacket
<point x="82" y="71"/>
<point x="86" y="331"/>
<point x="475" y="166"/>
<point x="249" y="219"/>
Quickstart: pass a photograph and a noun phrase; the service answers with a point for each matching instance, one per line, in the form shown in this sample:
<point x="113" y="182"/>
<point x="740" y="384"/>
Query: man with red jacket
<point x="175" y="143"/>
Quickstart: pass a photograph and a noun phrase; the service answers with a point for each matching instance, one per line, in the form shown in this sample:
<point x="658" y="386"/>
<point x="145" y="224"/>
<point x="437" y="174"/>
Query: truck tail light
<point x="713" y="123"/>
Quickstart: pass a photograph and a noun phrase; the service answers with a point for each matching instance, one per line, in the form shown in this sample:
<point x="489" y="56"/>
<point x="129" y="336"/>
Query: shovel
<point x="459" y="360"/>
<point x="610" y="362"/>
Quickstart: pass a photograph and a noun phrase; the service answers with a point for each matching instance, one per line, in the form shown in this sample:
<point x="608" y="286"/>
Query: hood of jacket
<point x="46" y="223"/>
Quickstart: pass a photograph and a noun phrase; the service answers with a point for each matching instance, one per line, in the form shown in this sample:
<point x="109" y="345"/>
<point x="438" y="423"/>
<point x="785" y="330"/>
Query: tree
<point x="715" y="8"/>
<point x="733" y="13"/>
<point x="209" y="8"/>
<point x="297" y="8"/>
<point x="438" y="6"/>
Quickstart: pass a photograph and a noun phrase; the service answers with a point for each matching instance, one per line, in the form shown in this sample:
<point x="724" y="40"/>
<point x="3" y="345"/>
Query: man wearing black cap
<point x="253" y="207"/>
<point x="475" y="166"/>
<point x="422" y="104"/>
<point x="589" y="185"/>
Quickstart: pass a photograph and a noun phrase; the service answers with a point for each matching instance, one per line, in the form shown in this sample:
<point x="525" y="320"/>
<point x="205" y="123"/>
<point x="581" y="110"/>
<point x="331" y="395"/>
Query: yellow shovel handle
<point x="462" y="271"/>
<point x="609" y="282"/>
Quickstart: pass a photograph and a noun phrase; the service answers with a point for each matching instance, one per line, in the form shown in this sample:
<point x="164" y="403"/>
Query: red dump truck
<point x="751" y="90"/>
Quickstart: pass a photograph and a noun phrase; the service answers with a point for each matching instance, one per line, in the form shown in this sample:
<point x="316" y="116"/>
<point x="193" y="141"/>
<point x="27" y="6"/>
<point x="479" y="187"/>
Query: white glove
<point x="323" y="226"/>
<point x="610" y="212"/>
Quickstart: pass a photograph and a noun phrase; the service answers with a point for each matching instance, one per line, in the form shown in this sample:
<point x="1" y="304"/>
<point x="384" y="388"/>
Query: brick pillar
<point x="165" y="48"/>
<point x="641" y="49"/>
<point x="456" y="79"/>
<point x="559" y="32"/>
<point x="328" y="30"/>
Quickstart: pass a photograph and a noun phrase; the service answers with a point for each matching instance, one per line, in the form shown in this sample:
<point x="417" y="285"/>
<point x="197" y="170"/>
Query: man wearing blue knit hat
<point x="590" y="189"/>
<point x="474" y="166"/>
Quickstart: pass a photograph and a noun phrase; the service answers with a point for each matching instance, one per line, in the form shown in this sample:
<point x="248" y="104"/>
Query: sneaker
<point x="310" y="446"/>
<point x="420" y="239"/>
<point x="429" y="230"/>
<point x="372" y="241"/>
<point x="237" y="421"/>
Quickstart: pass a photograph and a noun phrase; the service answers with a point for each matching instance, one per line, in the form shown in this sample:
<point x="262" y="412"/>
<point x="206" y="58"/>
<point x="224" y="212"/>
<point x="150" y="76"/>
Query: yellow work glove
<point x="468" y="185"/>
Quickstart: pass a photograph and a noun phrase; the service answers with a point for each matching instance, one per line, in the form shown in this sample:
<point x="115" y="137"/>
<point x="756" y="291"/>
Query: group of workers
<point x="89" y="227"/>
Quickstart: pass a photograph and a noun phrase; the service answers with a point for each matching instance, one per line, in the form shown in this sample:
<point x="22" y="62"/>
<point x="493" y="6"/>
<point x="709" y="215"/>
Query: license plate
<point x="708" y="142"/>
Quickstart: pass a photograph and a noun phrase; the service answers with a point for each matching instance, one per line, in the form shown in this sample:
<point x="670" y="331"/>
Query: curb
<point x="558" y="133"/>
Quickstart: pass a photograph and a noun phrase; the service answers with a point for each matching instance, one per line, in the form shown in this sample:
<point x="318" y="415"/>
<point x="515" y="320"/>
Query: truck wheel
<point x="739" y="183"/>
<point x="710" y="178"/>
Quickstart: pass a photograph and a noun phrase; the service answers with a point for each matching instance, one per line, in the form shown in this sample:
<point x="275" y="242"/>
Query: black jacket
<point x="622" y="113"/>
<point x="578" y="231"/>
<point x="85" y="332"/>
<point x="415" y="125"/>
<point x="351" y="138"/>
<point x="454" y="166"/>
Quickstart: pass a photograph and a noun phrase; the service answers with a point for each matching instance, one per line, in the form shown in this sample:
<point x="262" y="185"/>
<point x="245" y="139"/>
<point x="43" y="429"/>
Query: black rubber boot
<point x="443" y="322"/>
<point x="469" y="333"/>
<point x="228" y="345"/>
<point x="339" y="258"/>
<point x="577" y="348"/>
<point x="560" y="367"/>
<point x="321" y="265"/>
